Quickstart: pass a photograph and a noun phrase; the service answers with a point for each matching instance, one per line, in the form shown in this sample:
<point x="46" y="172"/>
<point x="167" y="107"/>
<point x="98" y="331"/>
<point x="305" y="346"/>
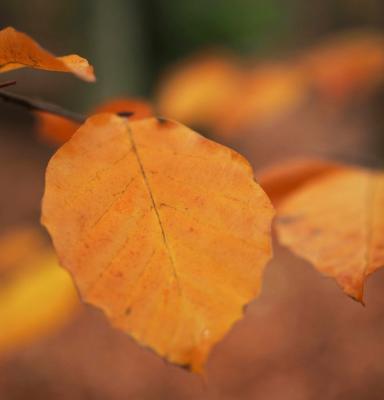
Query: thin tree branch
<point x="37" y="105"/>
<point x="7" y="83"/>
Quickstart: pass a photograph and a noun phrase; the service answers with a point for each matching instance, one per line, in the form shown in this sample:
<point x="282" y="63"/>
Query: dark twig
<point x="37" y="105"/>
<point x="7" y="83"/>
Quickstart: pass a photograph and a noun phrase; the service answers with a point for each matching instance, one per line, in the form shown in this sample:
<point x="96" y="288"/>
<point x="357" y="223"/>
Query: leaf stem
<point x="38" y="105"/>
<point x="7" y="83"/>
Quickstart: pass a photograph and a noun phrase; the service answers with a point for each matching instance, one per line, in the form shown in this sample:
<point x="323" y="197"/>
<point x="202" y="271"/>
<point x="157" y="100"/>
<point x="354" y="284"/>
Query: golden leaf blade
<point x="282" y="179"/>
<point x="336" y="222"/>
<point x="163" y="229"/>
<point x="18" y="50"/>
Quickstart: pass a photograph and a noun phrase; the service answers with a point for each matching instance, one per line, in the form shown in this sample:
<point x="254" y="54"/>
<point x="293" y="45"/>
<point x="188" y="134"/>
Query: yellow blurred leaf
<point x="37" y="297"/>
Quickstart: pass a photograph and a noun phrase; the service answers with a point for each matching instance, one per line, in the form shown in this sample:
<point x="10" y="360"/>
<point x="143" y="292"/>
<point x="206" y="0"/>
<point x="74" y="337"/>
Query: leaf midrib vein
<point x="154" y="205"/>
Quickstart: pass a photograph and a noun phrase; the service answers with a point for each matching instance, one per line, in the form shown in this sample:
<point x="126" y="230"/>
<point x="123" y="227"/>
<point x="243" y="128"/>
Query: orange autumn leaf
<point x="37" y="297"/>
<point x="17" y="50"/>
<point x="195" y="91"/>
<point x="280" y="180"/>
<point x="56" y="130"/>
<point x="164" y="230"/>
<point x="346" y="65"/>
<point x="224" y="96"/>
<point x="336" y="221"/>
<point x="267" y="91"/>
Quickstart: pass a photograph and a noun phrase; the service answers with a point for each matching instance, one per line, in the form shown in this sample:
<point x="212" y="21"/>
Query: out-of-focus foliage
<point x="37" y="297"/>
<point x="229" y="97"/>
<point x="282" y="179"/>
<point x="346" y="66"/>
<point x="198" y="91"/>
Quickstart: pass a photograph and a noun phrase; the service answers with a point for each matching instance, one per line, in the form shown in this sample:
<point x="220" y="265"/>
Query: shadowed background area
<point x="303" y="338"/>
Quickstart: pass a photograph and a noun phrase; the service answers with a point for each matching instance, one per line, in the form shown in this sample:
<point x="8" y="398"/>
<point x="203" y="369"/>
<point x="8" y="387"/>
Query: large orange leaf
<point x="163" y="229"/>
<point x="336" y="221"/>
<point x="56" y="130"/>
<point x="18" y="50"/>
<point x="37" y="297"/>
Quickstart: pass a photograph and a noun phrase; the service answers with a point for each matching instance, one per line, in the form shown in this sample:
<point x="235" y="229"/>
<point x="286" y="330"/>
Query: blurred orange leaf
<point x="17" y="50"/>
<point x="221" y="94"/>
<point x="56" y="130"/>
<point x="37" y="297"/>
<point x="280" y="180"/>
<point x="346" y="65"/>
<point x="164" y="230"/>
<point x="218" y="93"/>
<point x="267" y="91"/>
<point x="231" y="98"/>
<point x="197" y="90"/>
<point x="336" y="221"/>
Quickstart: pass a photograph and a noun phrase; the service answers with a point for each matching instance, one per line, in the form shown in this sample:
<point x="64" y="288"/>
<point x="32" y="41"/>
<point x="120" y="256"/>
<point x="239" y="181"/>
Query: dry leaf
<point x="37" y="297"/>
<point x="17" y="50"/>
<point x="267" y="92"/>
<point x="336" y="221"/>
<point x="346" y="65"/>
<point x="196" y="91"/>
<point x="224" y="96"/>
<point x="163" y="229"/>
<point x="56" y="130"/>
<point x="280" y="180"/>
<point x="231" y="98"/>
